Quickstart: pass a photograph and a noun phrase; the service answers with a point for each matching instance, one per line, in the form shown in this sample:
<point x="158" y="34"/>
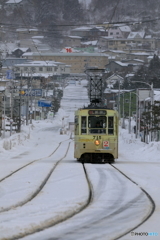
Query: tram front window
<point x="97" y="124"/>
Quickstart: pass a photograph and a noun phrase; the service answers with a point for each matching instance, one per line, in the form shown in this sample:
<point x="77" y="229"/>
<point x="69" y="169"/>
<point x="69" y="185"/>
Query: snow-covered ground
<point x="34" y="197"/>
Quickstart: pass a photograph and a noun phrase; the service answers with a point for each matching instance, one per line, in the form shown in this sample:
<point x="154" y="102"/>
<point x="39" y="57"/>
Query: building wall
<point x="78" y="62"/>
<point x="71" y="42"/>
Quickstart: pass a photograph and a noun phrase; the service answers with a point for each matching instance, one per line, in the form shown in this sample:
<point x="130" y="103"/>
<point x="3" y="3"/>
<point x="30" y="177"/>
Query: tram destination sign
<point x="97" y="112"/>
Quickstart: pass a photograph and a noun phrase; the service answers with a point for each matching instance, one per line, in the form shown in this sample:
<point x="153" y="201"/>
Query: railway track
<point x="25" y="165"/>
<point x="73" y="215"/>
<point x="153" y="206"/>
<point x="54" y="221"/>
<point x="112" y="211"/>
<point x="42" y="183"/>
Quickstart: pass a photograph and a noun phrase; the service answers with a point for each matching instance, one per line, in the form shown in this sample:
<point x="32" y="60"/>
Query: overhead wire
<point x="12" y="27"/>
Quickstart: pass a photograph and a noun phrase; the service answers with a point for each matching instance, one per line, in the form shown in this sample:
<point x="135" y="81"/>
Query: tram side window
<point x="76" y="125"/>
<point x="110" y="125"/>
<point x="83" y="125"/>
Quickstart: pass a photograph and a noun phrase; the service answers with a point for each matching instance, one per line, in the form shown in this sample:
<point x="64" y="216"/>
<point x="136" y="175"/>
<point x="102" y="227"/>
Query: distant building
<point x="118" y="66"/>
<point x="78" y="61"/>
<point x="71" y="41"/>
<point x="18" y="52"/>
<point x="24" y="33"/>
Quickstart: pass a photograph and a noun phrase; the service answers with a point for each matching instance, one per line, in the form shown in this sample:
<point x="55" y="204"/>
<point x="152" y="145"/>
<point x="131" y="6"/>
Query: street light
<point x="152" y="99"/>
<point x="151" y="86"/>
<point x="137" y="115"/>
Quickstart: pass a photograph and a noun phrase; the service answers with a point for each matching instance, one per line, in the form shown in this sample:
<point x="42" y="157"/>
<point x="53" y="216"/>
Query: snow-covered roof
<point x="140" y="53"/>
<point x="108" y="90"/>
<point x="39" y="63"/>
<point x="70" y="54"/>
<point x="130" y="75"/>
<point x="38" y="37"/>
<point x="138" y="60"/>
<point x="108" y="37"/>
<point x="22" y="49"/>
<point x="125" y="28"/>
<point x="27" y="54"/>
<point x="117" y="51"/>
<point x="90" y="43"/>
<point x="13" y="1"/>
<point x="82" y="28"/>
<point x="26" y="29"/>
<point x="136" y="35"/>
<point x="115" y="77"/>
<point x="75" y="37"/>
<point x="148" y="36"/>
<point x="122" y="64"/>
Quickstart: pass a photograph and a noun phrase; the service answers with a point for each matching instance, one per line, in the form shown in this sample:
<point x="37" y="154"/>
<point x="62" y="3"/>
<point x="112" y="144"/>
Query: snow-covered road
<point x="117" y="205"/>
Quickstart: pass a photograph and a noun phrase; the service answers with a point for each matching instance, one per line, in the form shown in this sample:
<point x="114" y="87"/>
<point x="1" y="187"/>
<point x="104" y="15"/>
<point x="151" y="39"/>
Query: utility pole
<point x="0" y="101"/>
<point x="129" y="123"/>
<point x="20" y="103"/>
<point x="27" y="101"/>
<point x="31" y="99"/>
<point x="123" y="122"/>
<point x="0" y="114"/>
<point x="11" y="105"/>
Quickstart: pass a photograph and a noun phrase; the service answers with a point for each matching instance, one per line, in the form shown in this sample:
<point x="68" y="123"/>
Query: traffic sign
<point x="32" y="92"/>
<point x="44" y="103"/>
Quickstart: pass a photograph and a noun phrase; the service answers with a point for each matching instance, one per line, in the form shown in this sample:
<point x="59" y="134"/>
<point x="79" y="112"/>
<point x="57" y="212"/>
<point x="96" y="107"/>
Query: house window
<point x="49" y="69"/>
<point x="41" y="69"/>
<point x="111" y="33"/>
<point x="17" y="69"/>
<point x="25" y="68"/>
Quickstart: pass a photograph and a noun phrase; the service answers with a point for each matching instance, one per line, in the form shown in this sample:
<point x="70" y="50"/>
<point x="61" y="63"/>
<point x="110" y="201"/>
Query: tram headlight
<point x="97" y="142"/>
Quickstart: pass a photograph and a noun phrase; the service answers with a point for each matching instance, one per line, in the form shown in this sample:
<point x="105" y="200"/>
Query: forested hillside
<point x="50" y="16"/>
<point x="72" y="11"/>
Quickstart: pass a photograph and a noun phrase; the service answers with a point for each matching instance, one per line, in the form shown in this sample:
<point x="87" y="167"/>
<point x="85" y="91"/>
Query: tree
<point x="126" y="84"/>
<point x="154" y="71"/>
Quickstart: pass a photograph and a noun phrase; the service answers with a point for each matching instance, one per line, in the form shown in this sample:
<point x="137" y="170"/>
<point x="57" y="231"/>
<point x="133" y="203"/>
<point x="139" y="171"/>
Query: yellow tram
<point x="96" y="135"/>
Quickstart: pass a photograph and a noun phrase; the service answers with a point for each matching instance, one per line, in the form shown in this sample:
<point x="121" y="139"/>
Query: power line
<point x="82" y="24"/>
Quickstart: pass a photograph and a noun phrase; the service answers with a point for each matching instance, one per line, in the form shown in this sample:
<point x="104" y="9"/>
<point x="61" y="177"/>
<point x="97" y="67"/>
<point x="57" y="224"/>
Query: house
<point x="118" y="66"/>
<point x="111" y="43"/>
<point x="71" y="41"/>
<point x="110" y="81"/>
<point x="18" y="52"/>
<point x="139" y="55"/>
<point x="24" y="33"/>
<point x="41" y="70"/>
<point x="119" y="31"/>
<point x="9" y="63"/>
<point x="89" y="33"/>
<point x="11" y="4"/>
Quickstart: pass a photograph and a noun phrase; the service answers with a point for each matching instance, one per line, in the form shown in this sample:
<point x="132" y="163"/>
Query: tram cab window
<point x="97" y="124"/>
<point x="110" y="125"/>
<point x="83" y="125"/>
